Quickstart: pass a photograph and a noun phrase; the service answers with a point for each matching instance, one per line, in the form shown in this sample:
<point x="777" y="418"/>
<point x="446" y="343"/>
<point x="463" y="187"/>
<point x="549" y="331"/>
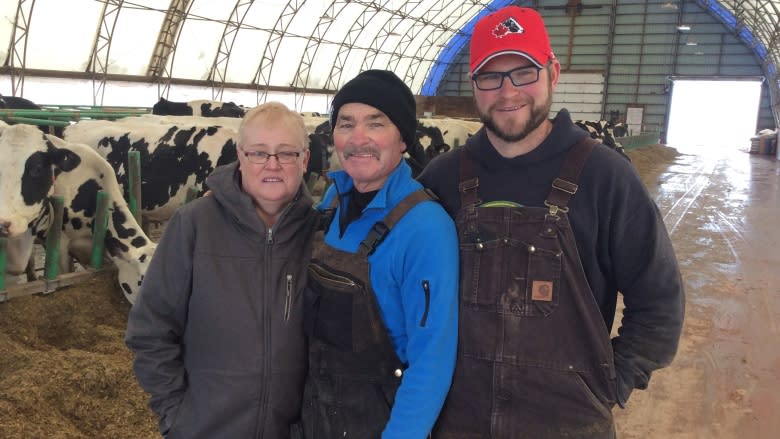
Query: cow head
<point x="132" y="268"/>
<point x="431" y="139"/>
<point x="31" y="162"/>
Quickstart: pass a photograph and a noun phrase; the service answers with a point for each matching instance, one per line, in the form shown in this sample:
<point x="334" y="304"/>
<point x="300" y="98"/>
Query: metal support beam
<point x="390" y="29"/>
<point x="101" y="48"/>
<point x="301" y="80"/>
<point x="17" y="52"/>
<point x="608" y="60"/>
<point x="361" y="22"/>
<point x="218" y="72"/>
<point x="262" y="78"/>
<point x="161" y="63"/>
<point x="437" y="36"/>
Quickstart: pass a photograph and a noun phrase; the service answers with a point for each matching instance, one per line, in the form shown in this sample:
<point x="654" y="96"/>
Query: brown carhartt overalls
<point x="534" y="355"/>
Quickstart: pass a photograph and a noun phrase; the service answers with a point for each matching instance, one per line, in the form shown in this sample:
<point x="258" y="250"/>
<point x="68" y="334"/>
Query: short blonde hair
<point x="274" y="113"/>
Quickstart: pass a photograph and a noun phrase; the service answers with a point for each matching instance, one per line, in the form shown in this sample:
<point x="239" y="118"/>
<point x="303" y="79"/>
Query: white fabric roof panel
<point x="303" y="45"/>
<point x="306" y="44"/>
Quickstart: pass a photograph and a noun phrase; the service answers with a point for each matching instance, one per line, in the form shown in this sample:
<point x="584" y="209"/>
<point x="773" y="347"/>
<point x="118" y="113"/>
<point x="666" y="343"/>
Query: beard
<point x="539" y="113"/>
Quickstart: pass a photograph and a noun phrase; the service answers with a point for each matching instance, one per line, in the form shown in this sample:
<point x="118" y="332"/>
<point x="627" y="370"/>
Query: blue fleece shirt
<point x="422" y="247"/>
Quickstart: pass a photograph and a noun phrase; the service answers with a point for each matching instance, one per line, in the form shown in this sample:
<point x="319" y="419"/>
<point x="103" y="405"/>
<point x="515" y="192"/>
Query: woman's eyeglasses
<point x="262" y="157"/>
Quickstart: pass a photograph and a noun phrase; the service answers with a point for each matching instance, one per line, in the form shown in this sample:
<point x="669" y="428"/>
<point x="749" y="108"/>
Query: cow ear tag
<point x="541" y="290"/>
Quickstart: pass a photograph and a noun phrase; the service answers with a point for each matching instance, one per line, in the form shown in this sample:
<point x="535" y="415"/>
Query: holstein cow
<point x="452" y="132"/>
<point x="174" y="156"/>
<point x="455" y="132"/>
<point x="320" y="140"/>
<point x="17" y="103"/>
<point x="203" y="108"/>
<point x="321" y="146"/>
<point x="317" y="127"/>
<point x="36" y="166"/>
<point x="433" y="137"/>
<point x="603" y="132"/>
<point x="431" y="140"/>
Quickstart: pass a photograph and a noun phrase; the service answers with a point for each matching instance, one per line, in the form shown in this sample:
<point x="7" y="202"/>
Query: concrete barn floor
<point x="722" y="208"/>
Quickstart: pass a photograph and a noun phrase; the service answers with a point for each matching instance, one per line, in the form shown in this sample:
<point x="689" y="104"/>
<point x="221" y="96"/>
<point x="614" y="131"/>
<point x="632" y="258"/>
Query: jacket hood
<point x="225" y="184"/>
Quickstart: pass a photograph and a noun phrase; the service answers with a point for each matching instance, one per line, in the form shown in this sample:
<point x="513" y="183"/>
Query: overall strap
<point x="329" y="212"/>
<point x="565" y="185"/>
<point x="380" y="230"/>
<point x="468" y="183"/>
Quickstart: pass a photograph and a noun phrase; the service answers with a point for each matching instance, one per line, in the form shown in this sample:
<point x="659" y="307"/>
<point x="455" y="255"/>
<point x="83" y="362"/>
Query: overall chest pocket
<point x="510" y="276"/>
<point x="335" y="306"/>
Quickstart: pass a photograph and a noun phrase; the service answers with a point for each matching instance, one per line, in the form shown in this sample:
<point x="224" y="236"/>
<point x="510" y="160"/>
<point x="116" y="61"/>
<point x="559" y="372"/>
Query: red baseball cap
<point x="510" y="30"/>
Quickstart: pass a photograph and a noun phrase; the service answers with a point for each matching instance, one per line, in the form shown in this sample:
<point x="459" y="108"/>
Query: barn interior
<point x="64" y="370"/>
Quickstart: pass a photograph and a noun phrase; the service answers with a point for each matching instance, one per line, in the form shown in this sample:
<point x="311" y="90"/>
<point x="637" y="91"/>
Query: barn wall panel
<point x="646" y="50"/>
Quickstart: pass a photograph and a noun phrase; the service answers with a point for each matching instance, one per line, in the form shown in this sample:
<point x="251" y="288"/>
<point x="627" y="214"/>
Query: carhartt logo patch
<point x="541" y="290"/>
<point x="506" y="27"/>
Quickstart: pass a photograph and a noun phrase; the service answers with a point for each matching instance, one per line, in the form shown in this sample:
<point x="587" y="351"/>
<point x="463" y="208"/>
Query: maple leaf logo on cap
<point x="508" y="26"/>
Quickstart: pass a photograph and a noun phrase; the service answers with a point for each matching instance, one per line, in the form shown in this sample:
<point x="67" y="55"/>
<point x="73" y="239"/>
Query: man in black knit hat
<point x="381" y="301"/>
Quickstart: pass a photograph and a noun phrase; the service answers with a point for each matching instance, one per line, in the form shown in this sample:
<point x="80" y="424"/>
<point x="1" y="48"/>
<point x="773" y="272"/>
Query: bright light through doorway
<point x="713" y="114"/>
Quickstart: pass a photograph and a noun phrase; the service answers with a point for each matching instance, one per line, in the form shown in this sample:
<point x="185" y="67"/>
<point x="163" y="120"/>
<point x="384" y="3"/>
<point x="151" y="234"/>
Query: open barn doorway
<point x="713" y="114"/>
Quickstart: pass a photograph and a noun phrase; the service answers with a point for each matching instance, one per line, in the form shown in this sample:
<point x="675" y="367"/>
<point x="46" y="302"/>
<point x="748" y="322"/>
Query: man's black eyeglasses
<point x="262" y="157"/>
<point x="494" y="80"/>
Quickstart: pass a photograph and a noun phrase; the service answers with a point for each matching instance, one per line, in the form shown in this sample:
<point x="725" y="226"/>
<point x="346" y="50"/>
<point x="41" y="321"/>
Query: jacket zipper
<point x="427" y="290"/>
<point x="332" y="278"/>
<point x="266" y="322"/>
<point x="288" y="298"/>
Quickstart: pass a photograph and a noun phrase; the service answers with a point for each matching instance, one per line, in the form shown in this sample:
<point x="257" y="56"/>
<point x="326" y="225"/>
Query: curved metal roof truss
<point x="303" y="46"/>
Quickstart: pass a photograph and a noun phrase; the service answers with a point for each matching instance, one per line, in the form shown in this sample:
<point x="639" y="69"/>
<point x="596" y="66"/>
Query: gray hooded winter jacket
<point x="217" y="328"/>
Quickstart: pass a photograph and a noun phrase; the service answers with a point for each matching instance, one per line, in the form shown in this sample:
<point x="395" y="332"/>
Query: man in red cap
<point x="552" y="225"/>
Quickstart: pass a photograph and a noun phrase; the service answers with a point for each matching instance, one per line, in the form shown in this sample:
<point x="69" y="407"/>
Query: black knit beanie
<point x="385" y="91"/>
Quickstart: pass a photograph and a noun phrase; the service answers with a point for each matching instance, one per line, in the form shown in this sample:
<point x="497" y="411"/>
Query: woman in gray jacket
<point x="216" y="329"/>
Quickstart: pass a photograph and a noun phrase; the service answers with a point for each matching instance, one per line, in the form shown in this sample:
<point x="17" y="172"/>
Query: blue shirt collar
<point x="400" y="174"/>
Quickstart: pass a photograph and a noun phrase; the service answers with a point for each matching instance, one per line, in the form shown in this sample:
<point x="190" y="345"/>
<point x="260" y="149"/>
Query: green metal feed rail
<point x="638" y="141"/>
<point x="52" y="247"/>
<point x="52" y="279"/>
<point x="62" y="117"/>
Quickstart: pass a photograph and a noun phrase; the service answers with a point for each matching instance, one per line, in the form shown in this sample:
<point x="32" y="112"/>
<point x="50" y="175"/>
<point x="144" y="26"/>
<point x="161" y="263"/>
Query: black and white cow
<point x="174" y="156"/>
<point x="36" y="166"/>
<point x="454" y="132"/>
<point x="438" y="135"/>
<point x="603" y="131"/>
<point x="431" y="140"/>
<point x="619" y="129"/>
<point x="433" y="137"/>
<point x="203" y="108"/>
<point x="317" y="127"/>
<point x="320" y="145"/>
<point x="17" y="103"/>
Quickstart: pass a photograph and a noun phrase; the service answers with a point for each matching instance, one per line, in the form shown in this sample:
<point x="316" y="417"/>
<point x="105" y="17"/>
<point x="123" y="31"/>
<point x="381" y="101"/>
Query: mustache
<point x="360" y="150"/>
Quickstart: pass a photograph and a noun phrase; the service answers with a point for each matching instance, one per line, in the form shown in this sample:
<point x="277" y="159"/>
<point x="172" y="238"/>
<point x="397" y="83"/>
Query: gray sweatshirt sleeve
<point x="158" y="317"/>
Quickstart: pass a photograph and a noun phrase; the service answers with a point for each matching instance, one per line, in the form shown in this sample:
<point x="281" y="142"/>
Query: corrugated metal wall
<point x="637" y="51"/>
